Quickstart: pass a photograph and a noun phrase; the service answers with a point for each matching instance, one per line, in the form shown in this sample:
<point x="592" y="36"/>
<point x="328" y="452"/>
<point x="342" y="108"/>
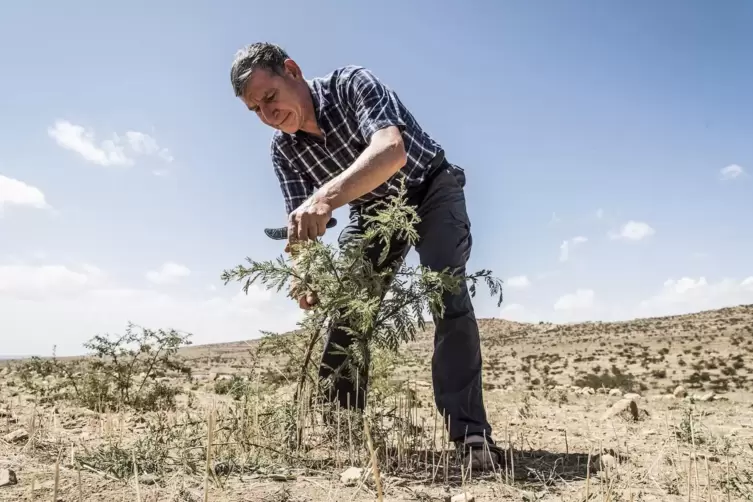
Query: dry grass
<point x="547" y="388"/>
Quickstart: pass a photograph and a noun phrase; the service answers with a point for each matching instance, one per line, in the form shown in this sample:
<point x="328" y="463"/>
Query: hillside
<point x="649" y="409"/>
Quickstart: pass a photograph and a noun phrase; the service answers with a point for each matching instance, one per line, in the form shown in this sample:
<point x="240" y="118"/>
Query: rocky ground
<point x="652" y="409"/>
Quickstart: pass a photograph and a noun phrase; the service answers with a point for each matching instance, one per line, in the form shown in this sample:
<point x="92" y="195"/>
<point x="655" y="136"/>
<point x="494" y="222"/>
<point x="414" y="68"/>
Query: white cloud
<point x="17" y="193"/>
<point x="514" y="312"/>
<point x="42" y="306"/>
<point x="28" y="281"/>
<point x="116" y="151"/>
<point x="687" y="294"/>
<point x="599" y="213"/>
<point x="76" y="138"/>
<point x="518" y="282"/>
<point x="731" y="172"/>
<point x="169" y="273"/>
<point x="554" y="219"/>
<point x="143" y="144"/>
<point x="582" y="299"/>
<point x="567" y="246"/>
<point x="633" y="231"/>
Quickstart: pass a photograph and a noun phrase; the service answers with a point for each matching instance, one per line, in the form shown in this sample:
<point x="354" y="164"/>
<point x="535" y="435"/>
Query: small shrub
<point x="623" y="381"/>
<point x="124" y="371"/>
<point x="659" y="373"/>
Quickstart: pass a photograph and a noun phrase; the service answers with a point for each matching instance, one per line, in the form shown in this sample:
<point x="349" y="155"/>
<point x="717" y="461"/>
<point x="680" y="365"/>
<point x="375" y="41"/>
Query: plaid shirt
<point x="351" y="104"/>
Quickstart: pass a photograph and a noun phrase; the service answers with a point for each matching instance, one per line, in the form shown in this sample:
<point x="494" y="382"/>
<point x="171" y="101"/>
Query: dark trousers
<point x="444" y="241"/>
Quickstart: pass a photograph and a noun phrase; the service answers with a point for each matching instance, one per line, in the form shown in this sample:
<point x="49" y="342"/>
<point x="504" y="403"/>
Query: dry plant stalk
<point x="136" y="476"/>
<point x="374" y="461"/>
<point x="210" y="438"/>
<point x="57" y="478"/>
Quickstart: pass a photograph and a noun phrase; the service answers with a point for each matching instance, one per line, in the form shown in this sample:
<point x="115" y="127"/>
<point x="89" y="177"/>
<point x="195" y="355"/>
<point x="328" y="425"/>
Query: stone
<point x="461" y="497"/>
<point x="620" y="406"/>
<point x="680" y="392"/>
<point x="615" y="393"/>
<point x="587" y="391"/>
<point x="608" y="461"/>
<point x="148" y="479"/>
<point x="351" y="475"/>
<point x="709" y="396"/>
<point x="7" y="477"/>
<point x="633" y="396"/>
<point x="602" y="390"/>
<point x="16" y="436"/>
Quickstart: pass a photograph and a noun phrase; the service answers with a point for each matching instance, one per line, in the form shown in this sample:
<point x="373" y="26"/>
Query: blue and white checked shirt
<point x="351" y="104"/>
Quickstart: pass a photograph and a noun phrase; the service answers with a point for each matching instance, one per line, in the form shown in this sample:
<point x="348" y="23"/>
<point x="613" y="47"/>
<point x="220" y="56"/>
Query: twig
<point x="103" y="474"/>
<point x="210" y="427"/>
<point x="374" y="462"/>
<point x="588" y="473"/>
<point x="57" y="478"/>
<point x="136" y="475"/>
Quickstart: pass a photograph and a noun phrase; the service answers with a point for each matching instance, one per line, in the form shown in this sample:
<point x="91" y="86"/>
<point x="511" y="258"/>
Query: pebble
<point x="351" y="475"/>
<point x="7" y="477"/>
<point x="16" y="436"/>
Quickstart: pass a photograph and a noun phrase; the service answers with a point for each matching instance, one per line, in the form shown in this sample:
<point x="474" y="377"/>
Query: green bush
<point x="121" y="372"/>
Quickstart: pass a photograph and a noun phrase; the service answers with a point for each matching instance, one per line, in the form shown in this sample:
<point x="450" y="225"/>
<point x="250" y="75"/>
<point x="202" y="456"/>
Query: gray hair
<point x="258" y="55"/>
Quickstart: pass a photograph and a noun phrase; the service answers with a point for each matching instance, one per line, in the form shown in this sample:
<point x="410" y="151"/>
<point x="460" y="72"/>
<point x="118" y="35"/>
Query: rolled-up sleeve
<point x="295" y="188"/>
<point x="376" y="105"/>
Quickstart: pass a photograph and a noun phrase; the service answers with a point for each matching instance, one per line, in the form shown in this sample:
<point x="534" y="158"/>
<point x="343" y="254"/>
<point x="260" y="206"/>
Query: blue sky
<point x="130" y="175"/>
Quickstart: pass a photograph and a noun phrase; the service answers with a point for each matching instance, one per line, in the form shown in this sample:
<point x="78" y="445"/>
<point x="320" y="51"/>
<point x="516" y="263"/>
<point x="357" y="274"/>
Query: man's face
<point x="276" y="99"/>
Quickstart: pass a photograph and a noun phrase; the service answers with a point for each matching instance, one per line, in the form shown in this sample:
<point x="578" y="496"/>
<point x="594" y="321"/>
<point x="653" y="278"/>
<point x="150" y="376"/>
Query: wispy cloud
<point x="731" y="172"/>
<point x="14" y="192"/>
<point x="169" y="273"/>
<point x="143" y="144"/>
<point x="582" y="299"/>
<point x="567" y="246"/>
<point x="518" y="282"/>
<point x="116" y="151"/>
<point x="633" y="231"/>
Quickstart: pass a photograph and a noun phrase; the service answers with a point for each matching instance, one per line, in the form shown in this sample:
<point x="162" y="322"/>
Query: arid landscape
<point x="652" y="409"/>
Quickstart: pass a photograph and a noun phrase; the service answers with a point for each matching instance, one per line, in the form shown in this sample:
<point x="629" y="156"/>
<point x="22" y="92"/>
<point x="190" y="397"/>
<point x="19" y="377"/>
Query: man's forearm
<point x="384" y="156"/>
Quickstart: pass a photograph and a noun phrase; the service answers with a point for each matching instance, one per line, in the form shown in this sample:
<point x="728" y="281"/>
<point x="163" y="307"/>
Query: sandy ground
<point x="552" y="399"/>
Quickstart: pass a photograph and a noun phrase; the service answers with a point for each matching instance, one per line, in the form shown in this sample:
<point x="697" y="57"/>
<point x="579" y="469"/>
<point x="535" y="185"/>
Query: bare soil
<point x="587" y="412"/>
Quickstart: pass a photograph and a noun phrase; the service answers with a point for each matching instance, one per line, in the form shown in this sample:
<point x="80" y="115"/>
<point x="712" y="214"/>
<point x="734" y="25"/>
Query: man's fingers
<point x="307" y="301"/>
<point x="302" y="230"/>
<point x="292" y="230"/>
<point x="312" y="232"/>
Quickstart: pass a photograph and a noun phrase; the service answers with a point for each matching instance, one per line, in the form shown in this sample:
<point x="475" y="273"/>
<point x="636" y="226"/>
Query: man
<point x="347" y="138"/>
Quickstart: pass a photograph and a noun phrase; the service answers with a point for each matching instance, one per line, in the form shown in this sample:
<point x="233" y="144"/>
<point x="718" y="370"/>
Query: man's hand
<point x="306" y="300"/>
<point x="309" y="220"/>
